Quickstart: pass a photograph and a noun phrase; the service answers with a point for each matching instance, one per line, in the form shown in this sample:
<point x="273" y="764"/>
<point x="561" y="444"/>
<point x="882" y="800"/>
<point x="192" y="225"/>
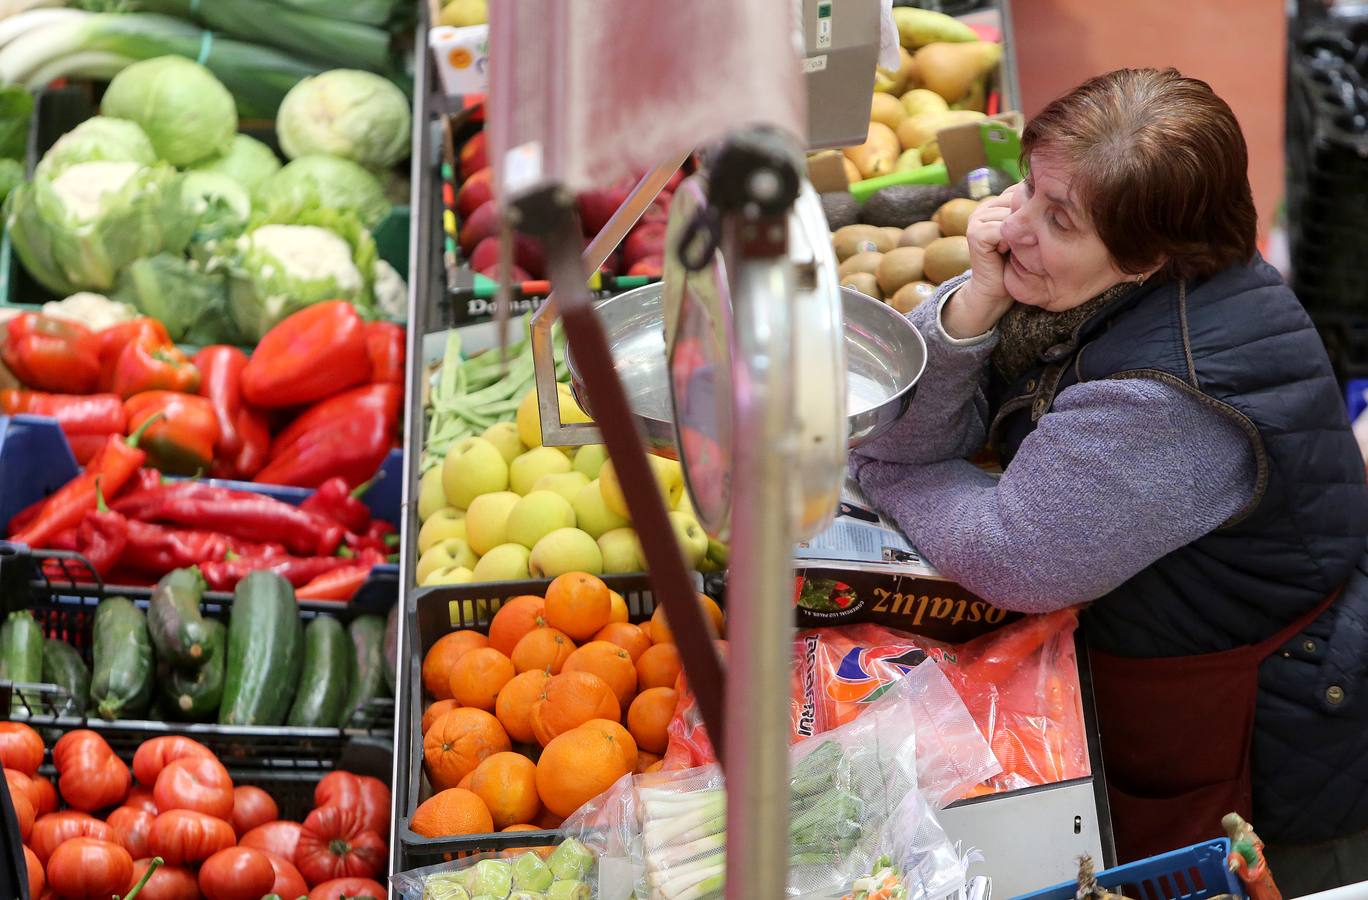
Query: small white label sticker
<point x="823" y="34"/>
<point x="522" y="167"/>
<point x="815" y="64"/>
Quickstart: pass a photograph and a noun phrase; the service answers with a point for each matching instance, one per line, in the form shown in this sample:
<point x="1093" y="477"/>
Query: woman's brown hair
<point x="1159" y="162"/>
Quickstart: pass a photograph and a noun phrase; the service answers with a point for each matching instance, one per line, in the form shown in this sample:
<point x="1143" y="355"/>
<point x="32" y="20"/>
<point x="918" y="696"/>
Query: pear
<point x="886" y="109"/>
<point x="917" y="131"/>
<point x="919" y="27"/>
<point x="877" y="154"/>
<point x="920" y="101"/>
<point x="951" y="69"/>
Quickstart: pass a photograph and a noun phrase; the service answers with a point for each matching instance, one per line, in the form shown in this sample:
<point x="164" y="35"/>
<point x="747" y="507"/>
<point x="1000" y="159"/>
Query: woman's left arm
<point x="1119" y="474"/>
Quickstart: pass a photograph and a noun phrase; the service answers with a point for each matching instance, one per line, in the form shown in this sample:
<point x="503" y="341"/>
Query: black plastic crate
<point x="435" y="612"/>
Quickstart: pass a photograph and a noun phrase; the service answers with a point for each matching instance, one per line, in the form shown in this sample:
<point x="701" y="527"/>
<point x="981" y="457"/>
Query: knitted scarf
<point x="1026" y="332"/>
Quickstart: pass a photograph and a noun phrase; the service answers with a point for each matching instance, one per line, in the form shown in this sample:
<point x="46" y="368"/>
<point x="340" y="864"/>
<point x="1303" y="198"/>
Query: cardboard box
<point x="965" y="148"/>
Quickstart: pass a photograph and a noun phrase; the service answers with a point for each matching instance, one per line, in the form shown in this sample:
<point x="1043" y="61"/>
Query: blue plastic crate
<point x="1356" y="397"/>
<point x="36" y="460"/>
<point x="1192" y="873"/>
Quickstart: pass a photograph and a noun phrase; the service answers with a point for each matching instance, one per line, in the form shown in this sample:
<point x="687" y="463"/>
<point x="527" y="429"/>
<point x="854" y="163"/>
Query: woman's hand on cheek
<point x="981" y="301"/>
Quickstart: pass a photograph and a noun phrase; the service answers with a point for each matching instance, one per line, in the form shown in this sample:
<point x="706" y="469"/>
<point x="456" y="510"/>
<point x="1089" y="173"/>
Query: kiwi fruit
<point x="898" y="267"/>
<point x="945" y="258"/>
<point x="863" y="282"/>
<point x="912" y="295"/>
<point x="919" y="234"/>
<point x="953" y="216"/>
<point x="854" y="239"/>
<point x="867" y="261"/>
<point x="894" y="235"/>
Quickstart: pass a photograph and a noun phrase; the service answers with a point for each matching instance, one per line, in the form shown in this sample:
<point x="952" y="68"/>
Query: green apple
<point x="473" y="466"/>
<point x="592" y="514"/>
<point x="524" y="471"/>
<point x="565" y="550"/>
<point x="448" y="522"/>
<point x="685" y="504"/>
<point x="718" y="552"/>
<point x="693" y="540"/>
<point x="590" y="458"/>
<point x="529" y="414"/>
<point x="504" y="435"/>
<point x="567" y="484"/>
<point x="448" y="553"/>
<point x="431" y="495"/>
<point x="487" y="520"/>
<point x="668" y="475"/>
<point x="537" y="515"/>
<point x="449" y="575"/>
<point x="621" y="549"/>
<point x="506" y="562"/>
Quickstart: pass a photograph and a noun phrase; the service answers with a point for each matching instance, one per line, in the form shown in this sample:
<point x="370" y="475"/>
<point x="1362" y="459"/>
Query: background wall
<point x="1237" y="46"/>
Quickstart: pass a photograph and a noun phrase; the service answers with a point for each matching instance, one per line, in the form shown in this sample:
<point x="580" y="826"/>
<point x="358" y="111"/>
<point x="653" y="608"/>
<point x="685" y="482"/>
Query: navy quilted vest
<point x="1242" y="343"/>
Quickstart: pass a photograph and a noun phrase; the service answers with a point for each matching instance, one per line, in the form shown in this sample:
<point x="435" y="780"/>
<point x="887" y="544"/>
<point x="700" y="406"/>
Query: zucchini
<point x="21" y="657"/>
<point x="121" y="678"/>
<point x="326" y="679"/>
<point x="174" y="621"/>
<point x="368" y="662"/>
<point x="265" y="652"/>
<point x="63" y="666"/>
<point x="194" y="694"/>
<point x="392" y="647"/>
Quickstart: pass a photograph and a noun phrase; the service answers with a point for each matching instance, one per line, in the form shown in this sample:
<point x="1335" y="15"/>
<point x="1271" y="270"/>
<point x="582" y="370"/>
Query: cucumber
<point x="121" y="678"/>
<point x="265" y="652"/>
<point x="63" y="666"/>
<point x="392" y="647"/>
<point x="174" y="621"/>
<point x="21" y="657"/>
<point x="326" y="678"/>
<point x="368" y="662"/>
<point x="194" y="694"/>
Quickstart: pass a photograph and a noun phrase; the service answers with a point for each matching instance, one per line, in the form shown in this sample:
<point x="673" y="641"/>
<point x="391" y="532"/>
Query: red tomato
<point x="21" y="748"/>
<point x="335" y="843"/>
<point x="288" y="882"/>
<point x="141" y="798"/>
<point x="90" y="776"/>
<point x="252" y="807"/>
<point x="47" y="795"/>
<point x="22" y="784"/>
<point x="133" y="826"/>
<point x="350" y="791"/>
<point x="279" y="838"/>
<point x="154" y="755"/>
<point x="23" y="812"/>
<point x="200" y="783"/>
<point x="36" y="878"/>
<point x="52" y="830"/>
<point x="87" y="869"/>
<point x="348" y="889"/>
<point x="184" y="836"/>
<point x="167" y="883"/>
<point x="238" y="873"/>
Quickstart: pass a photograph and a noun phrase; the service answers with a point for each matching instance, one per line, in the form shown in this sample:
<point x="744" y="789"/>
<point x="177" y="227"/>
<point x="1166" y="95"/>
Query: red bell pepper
<point x="85" y="419"/>
<point x="385" y="345"/>
<point x="380" y="536"/>
<point x="346" y="436"/>
<point x="341" y="583"/>
<point x="244" y="434"/>
<point x="52" y="354"/>
<point x="335" y="500"/>
<point x="182" y="441"/>
<point x="113" y="339"/>
<point x="310" y="355"/>
<point x="145" y="365"/>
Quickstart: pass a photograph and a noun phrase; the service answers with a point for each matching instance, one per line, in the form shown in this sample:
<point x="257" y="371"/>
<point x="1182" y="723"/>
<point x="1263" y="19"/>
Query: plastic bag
<point x="567" y="872"/>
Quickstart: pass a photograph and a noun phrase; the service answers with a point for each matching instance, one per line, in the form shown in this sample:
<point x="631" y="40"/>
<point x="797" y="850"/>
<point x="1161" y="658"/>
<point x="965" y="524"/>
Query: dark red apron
<point x="1176" y="734"/>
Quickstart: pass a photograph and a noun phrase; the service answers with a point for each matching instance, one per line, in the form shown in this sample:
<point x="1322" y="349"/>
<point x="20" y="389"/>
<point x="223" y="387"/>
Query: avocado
<point x="840" y="208"/>
<point x="900" y="205"/>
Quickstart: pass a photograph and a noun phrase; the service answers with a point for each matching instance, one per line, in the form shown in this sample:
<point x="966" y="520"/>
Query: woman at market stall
<point x="1176" y="454"/>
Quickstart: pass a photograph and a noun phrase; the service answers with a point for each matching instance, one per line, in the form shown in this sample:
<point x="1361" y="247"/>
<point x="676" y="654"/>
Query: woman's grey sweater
<point x="1118" y="474"/>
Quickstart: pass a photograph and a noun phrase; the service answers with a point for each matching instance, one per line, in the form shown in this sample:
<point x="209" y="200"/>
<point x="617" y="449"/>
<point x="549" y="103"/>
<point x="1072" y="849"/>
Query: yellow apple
<point x="590" y="458"/>
<point x="567" y="484"/>
<point x="592" y="514"/>
<point x="431" y="494"/>
<point x="565" y="550"/>
<point x="529" y="415"/>
<point x="668" y="475"/>
<point x="504" y="436"/>
<point x="537" y="515"/>
<point x="487" y="520"/>
<point x="526" y="469"/>
<point x="692" y="539"/>
<point x="452" y="552"/>
<point x="449" y="575"/>
<point x="444" y="523"/>
<point x="621" y="549"/>
<point x="506" y="562"/>
<point x="473" y="466"/>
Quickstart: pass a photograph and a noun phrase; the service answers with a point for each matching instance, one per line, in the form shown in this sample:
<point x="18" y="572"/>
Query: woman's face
<point x="1056" y="260"/>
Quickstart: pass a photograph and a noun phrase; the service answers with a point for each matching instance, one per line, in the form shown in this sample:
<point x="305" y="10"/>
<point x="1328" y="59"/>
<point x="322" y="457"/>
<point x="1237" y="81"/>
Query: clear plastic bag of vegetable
<point x="564" y="873"/>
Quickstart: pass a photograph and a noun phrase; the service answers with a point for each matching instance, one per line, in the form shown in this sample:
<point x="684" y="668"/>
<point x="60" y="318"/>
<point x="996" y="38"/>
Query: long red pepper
<point x="335" y="500"/>
<point x="100" y="414"/>
<point x="298" y="570"/>
<point x="112" y="468"/>
<point x="250" y="517"/>
<point x="340" y="584"/>
<point x="156" y="549"/>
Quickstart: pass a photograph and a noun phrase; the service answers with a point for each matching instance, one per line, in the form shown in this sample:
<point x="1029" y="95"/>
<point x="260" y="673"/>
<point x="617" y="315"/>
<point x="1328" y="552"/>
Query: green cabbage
<point x="220" y="205"/>
<point x="76" y="231"/>
<point x="248" y="161"/>
<point x="11" y="176"/>
<point x="190" y="302"/>
<point x="348" y="113"/>
<point x="98" y="139"/>
<point x="324" y="182"/>
<point x="185" y="110"/>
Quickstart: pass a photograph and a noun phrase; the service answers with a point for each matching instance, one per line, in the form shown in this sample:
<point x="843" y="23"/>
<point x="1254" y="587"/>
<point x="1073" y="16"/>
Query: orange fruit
<point x="649" y="717"/>
<point x="653" y="767"/>
<point x="576" y="767"/>
<point x="543" y="648"/>
<point x="443" y="655"/>
<point x="548" y="820"/>
<point x="435" y="710"/>
<point x="451" y="812"/>
<point x="514" y="706"/>
<point x="479" y="675"/>
<point x="464" y="783"/>
<point x="568" y="701"/>
<point x="619" y="735"/>
<point x="645" y="760"/>
<point x="628" y="637"/>
<point x="658" y="667"/>
<point x="660" y="626"/>
<point x="507" y="783"/>
<point x="609" y="662"/>
<point x="578" y="604"/>
<point x="524" y="827"/>
<point x="646" y="630"/>
<point x="458" y="742"/>
<point x="618" y="609"/>
<point x="513" y="620"/>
